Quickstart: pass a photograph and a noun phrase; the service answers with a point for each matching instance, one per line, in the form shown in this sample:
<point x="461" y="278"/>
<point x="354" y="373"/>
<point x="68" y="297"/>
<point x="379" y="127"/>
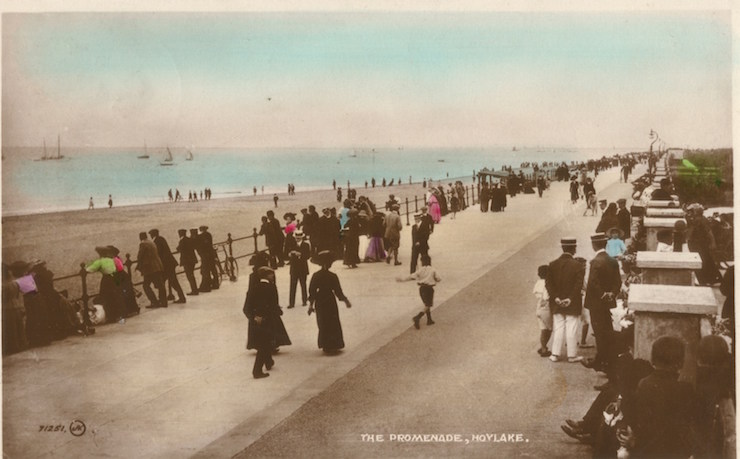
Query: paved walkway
<point x="177" y="382"/>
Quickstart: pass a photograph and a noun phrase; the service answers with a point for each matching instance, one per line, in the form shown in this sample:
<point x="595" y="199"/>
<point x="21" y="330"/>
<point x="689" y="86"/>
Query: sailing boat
<point x="190" y="156"/>
<point x="59" y="151"/>
<point x="168" y="159"/>
<point x="146" y="153"/>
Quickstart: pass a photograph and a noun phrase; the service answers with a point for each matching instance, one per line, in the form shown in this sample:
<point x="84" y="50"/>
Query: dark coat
<point x="186" y="247"/>
<point x="565" y="280"/>
<point x="603" y="277"/>
<point x="299" y="256"/>
<point x="324" y="289"/>
<point x="148" y="261"/>
<point x="665" y="417"/>
<point x="624" y="220"/>
<point x="262" y="301"/>
<point x="165" y="254"/>
<point x="426" y="227"/>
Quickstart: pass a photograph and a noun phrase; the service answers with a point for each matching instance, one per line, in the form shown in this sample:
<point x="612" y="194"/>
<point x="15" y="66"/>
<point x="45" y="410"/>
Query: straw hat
<point x="325" y="257"/>
<point x="619" y="232"/>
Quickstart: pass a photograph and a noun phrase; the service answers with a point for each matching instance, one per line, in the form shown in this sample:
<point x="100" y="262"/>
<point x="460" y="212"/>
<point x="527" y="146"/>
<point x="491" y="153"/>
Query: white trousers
<point x="565" y="328"/>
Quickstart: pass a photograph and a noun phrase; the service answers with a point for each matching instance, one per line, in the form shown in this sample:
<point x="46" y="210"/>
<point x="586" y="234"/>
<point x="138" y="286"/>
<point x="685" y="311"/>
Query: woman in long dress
<point x="434" y="209"/>
<point x="322" y="294"/>
<point x="351" y="239"/>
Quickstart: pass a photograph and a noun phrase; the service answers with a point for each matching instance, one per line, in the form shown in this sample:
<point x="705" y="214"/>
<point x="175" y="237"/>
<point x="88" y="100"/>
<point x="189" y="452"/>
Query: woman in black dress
<point x="322" y="294"/>
<point x="351" y="237"/>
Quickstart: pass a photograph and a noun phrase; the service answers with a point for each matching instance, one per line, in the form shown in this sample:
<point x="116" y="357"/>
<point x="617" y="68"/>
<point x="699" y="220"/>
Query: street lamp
<point x="653" y="135"/>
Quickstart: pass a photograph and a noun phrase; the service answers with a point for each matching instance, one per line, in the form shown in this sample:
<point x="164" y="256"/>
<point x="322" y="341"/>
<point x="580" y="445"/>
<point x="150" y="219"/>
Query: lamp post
<point x="653" y="135"/>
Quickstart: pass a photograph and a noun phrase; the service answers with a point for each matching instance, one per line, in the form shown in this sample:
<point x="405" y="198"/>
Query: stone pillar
<point x="653" y="225"/>
<point x="670" y="310"/>
<point x="668" y="268"/>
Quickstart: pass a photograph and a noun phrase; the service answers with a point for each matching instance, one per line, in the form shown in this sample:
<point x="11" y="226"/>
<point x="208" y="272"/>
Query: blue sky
<point x="368" y="79"/>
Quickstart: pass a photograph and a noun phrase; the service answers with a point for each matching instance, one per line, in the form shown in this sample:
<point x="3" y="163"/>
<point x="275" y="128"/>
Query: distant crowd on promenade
<point x="642" y="410"/>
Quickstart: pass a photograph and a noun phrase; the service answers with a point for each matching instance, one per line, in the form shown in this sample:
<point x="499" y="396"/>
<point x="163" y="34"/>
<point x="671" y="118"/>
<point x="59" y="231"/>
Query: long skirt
<point x="351" y="250"/>
<point x="375" y="250"/>
<point x="330" y="329"/>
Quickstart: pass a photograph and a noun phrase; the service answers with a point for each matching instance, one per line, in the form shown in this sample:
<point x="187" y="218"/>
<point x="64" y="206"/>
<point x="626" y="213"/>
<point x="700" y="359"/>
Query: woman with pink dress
<point x="434" y="210"/>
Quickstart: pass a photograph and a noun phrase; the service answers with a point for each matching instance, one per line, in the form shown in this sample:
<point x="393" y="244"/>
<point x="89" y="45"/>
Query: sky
<point x="367" y="79"/>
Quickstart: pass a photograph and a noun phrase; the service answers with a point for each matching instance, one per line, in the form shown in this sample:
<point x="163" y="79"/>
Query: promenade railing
<point x="239" y="248"/>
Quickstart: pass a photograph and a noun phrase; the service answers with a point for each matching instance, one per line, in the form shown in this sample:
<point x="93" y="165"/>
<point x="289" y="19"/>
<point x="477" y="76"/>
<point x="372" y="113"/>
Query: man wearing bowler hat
<point x="564" y="282"/>
<point x="604" y="283"/>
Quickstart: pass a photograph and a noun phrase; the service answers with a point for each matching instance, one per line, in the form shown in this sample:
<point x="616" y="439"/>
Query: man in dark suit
<point x="604" y="283"/>
<point x="150" y="266"/>
<point x="564" y="283"/>
<point x="208" y="257"/>
<point x="169" y="265"/>
<point x="276" y="238"/>
<point x="420" y="232"/>
<point x="205" y="257"/>
<point x="188" y="260"/>
<point x="624" y="219"/>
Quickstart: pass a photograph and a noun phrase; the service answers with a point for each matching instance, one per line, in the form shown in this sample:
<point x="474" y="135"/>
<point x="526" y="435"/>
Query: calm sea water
<point x="31" y="186"/>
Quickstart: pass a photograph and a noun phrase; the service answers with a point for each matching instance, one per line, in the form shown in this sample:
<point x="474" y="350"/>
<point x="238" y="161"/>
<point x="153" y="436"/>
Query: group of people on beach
<point x="642" y="410"/>
<point x="205" y="194"/>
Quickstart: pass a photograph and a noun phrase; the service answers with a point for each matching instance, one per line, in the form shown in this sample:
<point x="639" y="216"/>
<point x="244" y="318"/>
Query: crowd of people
<point x="642" y="410"/>
<point x="205" y="194"/>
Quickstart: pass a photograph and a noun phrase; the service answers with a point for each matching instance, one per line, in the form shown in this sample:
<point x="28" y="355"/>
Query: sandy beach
<point x="66" y="239"/>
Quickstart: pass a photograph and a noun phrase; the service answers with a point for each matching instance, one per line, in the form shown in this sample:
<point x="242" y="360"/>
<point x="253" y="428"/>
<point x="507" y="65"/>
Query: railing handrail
<point x="128" y="263"/>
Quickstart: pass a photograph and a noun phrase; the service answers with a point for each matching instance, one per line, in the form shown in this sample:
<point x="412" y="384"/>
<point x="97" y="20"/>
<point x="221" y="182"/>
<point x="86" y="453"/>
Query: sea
<point x="32" y="186"/>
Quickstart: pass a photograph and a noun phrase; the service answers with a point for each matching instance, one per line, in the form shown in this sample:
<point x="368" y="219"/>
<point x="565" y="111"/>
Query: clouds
<point x="351" y="79"/>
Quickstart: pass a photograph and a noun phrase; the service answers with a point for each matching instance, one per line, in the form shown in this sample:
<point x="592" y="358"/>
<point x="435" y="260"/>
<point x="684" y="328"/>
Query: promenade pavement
<point x="177" y="382"/>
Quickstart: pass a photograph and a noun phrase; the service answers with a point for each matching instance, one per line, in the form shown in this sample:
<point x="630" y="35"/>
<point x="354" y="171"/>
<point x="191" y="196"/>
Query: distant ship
<point x="145" y="155"/>
<point x="59" y="155"/>
<point x="168" y="159"/>
<point x="514" y="149"/>
<point x="189" y="157"/>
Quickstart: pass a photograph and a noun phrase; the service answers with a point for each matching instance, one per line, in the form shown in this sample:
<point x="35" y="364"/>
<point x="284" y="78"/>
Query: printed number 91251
<point x="53" y="428"/>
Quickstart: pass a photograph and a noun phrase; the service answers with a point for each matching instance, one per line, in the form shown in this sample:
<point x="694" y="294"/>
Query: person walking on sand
<point x="426" y="277"/>
<point x="564" y="282"/>
<point x="91" y="204"/>
<point x="323" y="292"/>
<point x="544" y="315"/>
<point x="275" y="199"/>
<point x="110" y="201"/>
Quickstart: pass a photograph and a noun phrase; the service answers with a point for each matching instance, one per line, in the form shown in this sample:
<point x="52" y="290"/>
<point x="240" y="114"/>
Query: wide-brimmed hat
<point x="602" y="201"/>
<point x="259" y="259"/>
<point x="113" y="250"/>
<point x="619" y="231"/>
<point x="153" y="232"/>
<point x="423" y="208"/>
<point x="103" y="251"/>
<point x="395" y="207"/>
<point x="289" y="214"/>
<point x="298" y="233"/>
<point x="325" y="257"/>
<point x="203" y="227"/>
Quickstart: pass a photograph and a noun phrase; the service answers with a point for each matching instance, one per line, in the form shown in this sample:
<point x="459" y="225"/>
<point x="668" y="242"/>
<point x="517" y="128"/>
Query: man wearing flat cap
<point x="169" y="265"/>
<point x="604" y="283"/>
<point x="564" y="282"/>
